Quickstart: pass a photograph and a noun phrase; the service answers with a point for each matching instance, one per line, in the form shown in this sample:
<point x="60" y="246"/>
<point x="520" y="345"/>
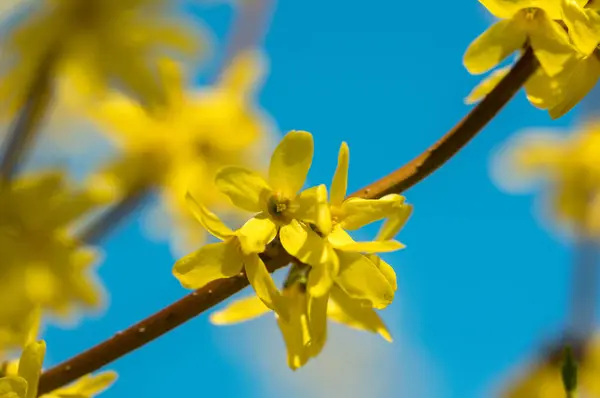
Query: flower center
<point x="277" y="207"/>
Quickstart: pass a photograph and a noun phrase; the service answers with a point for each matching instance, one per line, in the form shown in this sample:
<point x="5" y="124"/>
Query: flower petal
<point x="362" y="280"/>
<point x="339" y="184"/>
<point x="583" y="26"/>
<point x="13" y="387"/>
<point x="290" y="163"/>
<point x="311" y="206"/>
<point x="386" y="270"/>
<point x="263" y="285"/>
<point x="246" y="189"/>
<point x="357" y="212"/>
<point x="239" y="311"/>
<point x="395" y="222"/>
<point x="550" y="45"/>
<point x="244" y="72"/>
<point x="352" y="313"/>
<point x="493" y="46"/>
<point x="30" y="366"/>
<point x="256" y="234"/>
<point x="577" y="84"/>
<point x="87" y="386"/>
<point x="378" y="246"/>
<point x="321" y="277"/>
<point x="295" y="332"/>
<point x="303" y="243"/>
<point x="487" y="85"/>
<point x="317" y="323"/>
<point x="505" y="8"/>
<point x="208" y="219"/>
<point x="210" y="262"/>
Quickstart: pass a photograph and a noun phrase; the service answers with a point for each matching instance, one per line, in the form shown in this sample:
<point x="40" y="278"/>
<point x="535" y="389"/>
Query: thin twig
<point x="107" y="222"/>
<point x="202" y="299"/>
<point x="26" y="126"/>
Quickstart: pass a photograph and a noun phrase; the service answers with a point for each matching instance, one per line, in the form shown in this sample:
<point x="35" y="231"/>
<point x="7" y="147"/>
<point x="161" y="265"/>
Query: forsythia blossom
<point x="569" y="165"/>
<point x="181" y="148"/>
<point x="42" y="265"/>
<point x="331" y="275"/>
<point x="563" y="34"/>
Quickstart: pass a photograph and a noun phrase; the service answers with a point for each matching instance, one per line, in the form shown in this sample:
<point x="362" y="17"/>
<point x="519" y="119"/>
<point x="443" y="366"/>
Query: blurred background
<point x="484" y="282"/>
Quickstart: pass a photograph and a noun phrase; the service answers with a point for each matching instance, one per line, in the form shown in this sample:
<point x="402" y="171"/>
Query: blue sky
<point x="481" y="284"/>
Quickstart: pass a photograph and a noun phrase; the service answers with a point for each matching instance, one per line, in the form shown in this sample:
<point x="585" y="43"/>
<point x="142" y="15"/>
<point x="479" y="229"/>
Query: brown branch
<point x="201" y="300"/>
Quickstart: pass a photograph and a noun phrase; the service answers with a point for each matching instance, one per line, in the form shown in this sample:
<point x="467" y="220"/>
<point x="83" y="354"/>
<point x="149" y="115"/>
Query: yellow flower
<point x="226" y="259"/>
<point x="182" y="148"/>
<point x="521" y="22"/>
<point x="22" y="378"/>
<point x="583" y="25"/>
<point x="41" y="264"/>
<point x="335" y="255"/>
<point x="306" y="332"/>
<point x="543" y="379"/>
<point x="94" y="44"/>
<point x="279" y="206"/>
<point x="569" y="165"/>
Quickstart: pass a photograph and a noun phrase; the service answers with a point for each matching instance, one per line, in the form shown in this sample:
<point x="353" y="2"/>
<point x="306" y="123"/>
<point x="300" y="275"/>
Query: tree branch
<point x="202" y="299"/>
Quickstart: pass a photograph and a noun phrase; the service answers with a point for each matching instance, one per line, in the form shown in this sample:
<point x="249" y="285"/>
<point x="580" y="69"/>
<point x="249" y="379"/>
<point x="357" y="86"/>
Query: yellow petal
<point x="338" y="237"/>
<point x="362" y="280"/>
<point x="386" y="270"/>
<point x="339" y="184"/>
<point x="303" y="243"/>
<point x="379" y="246"/>
<point x="246" y="189"/>
<point x="13" y="387"/>
<point x="352" y="313"/>
<point x="487" y="85"/>
<point x="493" y="46"/>
<point x="210" y="262"/>
<point x="88" y="386"/>
<point x="209" y="220"/>
<point x="321" y="276"/>
<point x="317" y="323"/>
<point x="290" y="163"/>
<point x="256" y="234"/>
<point x="357" y="212"/>
<point x="311" y="206"/>
<point x="505" y="8"/>
<point x="542" y="90"/>
<point x="263" y="285"/>
<point x="577" y="84"/>
<point x="295" y="335"/>
<point x="550" y="45"/>
<point x="244" y="72"/>
<point x="395" y="222"/>
<point x="583" y="26"/>
<point x="240" y="311"/>
<point x="30" y="366"/>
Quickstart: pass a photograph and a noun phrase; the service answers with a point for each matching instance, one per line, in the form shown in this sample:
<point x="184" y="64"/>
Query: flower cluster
<point x="331" y="273"/>
<point x="563" y="35"/>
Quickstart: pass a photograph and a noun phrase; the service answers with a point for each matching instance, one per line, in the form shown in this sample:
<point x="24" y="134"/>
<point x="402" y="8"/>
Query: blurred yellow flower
<point x="42" y="265"/>
<point x="95" y="45"/>
<point x="181" y="148"/>
<point x="543" y="379"/>
<point x="571" y="170"/>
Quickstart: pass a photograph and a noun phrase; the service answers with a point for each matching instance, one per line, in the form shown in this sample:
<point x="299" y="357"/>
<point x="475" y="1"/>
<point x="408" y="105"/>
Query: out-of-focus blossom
<point x="42" y="265"/>
<point x="181" y="148"/>
<point x="543" y="379"/>
<point x="93" y="46"/>
<point x="569" y="168"/>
